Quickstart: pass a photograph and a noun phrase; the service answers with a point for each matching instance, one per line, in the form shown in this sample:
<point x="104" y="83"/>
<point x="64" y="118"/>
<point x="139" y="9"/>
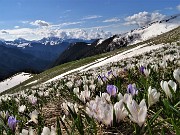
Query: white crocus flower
<point x="31" y="132"/>
<point x="100" y="110"/>
<point x="105" y="97"/>
<point x="46" y="131"/>
<point x="66" y="105"/>
<point x="69" y="84"/>
<point x="24" y="132"/>
<point x="163" y="64"/>
<point x="21" y="108"/>
<point x="107" y="114"/>
<point x="92" y="87"/>
<point x="127" y="98"/>
<point x="138" y="112"/>
<point x="32" y="99"/>
<point x="153" y="96"/>
<point x="120" y="110"/>
<point x="165" y="86"/>
<point x="34" y="116"/>
<point x="85" y="95"/>
<point x="120" y="96"/>
<point x="147" y="72"/>
<point x="76" y="91"/>
<point x="155" y="67"/>
<point x="176" y="75"/>
<point x="53" y="131"/>
<point x="173" y="85"/>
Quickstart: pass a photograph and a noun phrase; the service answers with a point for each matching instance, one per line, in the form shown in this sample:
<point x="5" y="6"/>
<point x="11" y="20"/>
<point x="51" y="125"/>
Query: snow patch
<point x="126" y="54"/>
<point x="13" y="81"/>
<point x="75" y="70"/>
<point x="32" y="82"/>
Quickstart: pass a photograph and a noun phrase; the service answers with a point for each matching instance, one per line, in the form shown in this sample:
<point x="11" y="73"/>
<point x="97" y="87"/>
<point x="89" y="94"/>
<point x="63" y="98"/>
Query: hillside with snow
<point x="81" y="50"/>
<point x="13" y="81"/>
<point x="113" y="43"/>
<point x="151" y="30"/>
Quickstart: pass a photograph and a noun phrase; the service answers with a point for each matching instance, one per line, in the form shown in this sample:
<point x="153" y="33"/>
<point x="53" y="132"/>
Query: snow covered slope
<point x="13" y="81"/>
<point x="103" y="61"/>
<point x="151" y="30"/>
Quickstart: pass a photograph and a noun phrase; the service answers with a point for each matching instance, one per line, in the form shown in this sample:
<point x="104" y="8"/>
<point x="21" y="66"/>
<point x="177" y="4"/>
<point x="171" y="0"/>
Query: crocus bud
<point x="112" y="90"/>
<point x="176" y="75"/>
<point x="12" y="122"/>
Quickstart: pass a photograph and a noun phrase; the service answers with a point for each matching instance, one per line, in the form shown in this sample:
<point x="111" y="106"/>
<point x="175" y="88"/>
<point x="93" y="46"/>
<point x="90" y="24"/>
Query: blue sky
<point x="18" y="17"/>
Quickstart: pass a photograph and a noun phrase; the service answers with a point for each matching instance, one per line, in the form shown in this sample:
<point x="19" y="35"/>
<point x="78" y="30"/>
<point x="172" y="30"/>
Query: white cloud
<point x="178" y="7"/>
<point x="91" y="17"/>
<point x="16" y="27"/>
<point x="115" y="19"/>
<point x="40" y="23"/>
<point x="24" y="22"/>
<point x="143" y="18"/>
<point x="70" y="23"/>
<point x="41" y="32"/>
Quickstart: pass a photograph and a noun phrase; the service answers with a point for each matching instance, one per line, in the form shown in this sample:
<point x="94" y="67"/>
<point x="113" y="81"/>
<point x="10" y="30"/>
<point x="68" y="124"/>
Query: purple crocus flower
<point x="12" y="122"/>
<point x="104" y="78"/>
<point x="99" y="77"/>
<point x="131" y="89"/>
<point x="110" y="72"/>
<point x="142" y="69"/>
<point x="112" y="90"/>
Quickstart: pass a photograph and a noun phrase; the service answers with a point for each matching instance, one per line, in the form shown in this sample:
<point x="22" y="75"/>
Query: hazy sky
<point x="34" y="19"/>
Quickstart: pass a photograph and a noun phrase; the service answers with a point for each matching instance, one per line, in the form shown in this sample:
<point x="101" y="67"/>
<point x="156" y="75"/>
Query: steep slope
<point x="82" y="50"/>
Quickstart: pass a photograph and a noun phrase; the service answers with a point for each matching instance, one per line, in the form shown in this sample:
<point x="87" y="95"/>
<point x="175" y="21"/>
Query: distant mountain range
<point x="37" y="56"/>
<point x="31" y="56"/>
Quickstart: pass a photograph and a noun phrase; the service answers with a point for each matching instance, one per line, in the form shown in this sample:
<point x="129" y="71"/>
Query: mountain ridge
<point x="119" y="40"/>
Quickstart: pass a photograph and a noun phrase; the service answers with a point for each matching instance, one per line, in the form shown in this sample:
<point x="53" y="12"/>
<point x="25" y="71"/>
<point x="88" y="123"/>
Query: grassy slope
<point x="173" y="35"/>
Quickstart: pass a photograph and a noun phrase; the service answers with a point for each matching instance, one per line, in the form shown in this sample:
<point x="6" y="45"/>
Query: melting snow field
<point x="74" y="70"/>
<point x="100" y="62"/>
<point x="13" y="81"/>
<point x="126" y="54"/>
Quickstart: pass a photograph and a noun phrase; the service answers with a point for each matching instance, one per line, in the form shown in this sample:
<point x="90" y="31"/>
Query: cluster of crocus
<point x="85" y="94"/>
<point x="101" y="110"/>
<point x="67" y="105"/>
<point x="45" y="131"/>
<point x="110" y="106"/>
